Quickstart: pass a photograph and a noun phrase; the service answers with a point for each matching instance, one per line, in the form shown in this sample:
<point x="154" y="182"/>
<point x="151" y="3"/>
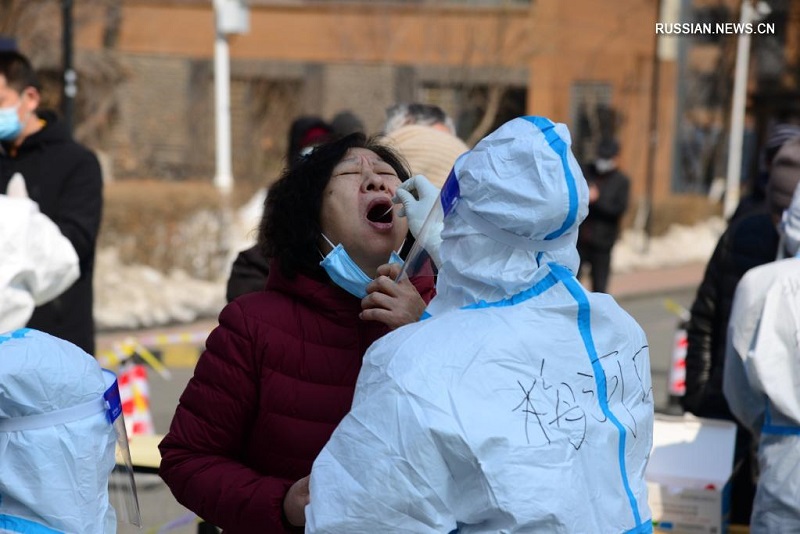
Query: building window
<point x="592" y="117"/>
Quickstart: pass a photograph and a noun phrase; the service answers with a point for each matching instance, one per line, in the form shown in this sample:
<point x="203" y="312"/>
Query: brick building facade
<point x="583" y="62"/>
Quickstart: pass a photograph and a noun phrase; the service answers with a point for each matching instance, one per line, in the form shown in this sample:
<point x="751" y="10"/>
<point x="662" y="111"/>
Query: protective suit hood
<point x="55" y="475"/>
<point x="519" y="197"/>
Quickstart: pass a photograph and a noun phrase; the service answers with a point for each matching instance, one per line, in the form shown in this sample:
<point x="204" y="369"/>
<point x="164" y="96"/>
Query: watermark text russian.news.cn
<point x="715" y="28"/>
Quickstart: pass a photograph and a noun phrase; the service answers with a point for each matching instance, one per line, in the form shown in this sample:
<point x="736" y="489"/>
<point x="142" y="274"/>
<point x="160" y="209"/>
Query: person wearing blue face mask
<point x="64" y="179"/>
<point x="279" y="371"/>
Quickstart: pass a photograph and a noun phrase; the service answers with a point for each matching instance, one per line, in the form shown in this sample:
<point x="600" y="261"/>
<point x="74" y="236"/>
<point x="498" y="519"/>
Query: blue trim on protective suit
<point x="644" y="528"/>
<point x="538" y="288"/>
<point x="16" y="334"/>
<point x="13" y="523"/>
<point x="584" y="325"/>
<point x="559" y="273"/>
<point x="778" y="430"/>
<point x="559" y="147"/>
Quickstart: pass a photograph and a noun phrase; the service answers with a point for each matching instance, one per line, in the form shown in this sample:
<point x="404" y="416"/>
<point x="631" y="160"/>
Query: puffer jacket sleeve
<point x="700" y="331"/>
<point x="200" y="456"/>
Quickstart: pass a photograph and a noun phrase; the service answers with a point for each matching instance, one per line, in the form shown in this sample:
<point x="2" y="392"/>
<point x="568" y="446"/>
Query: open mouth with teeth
<point x="381" y="213"/>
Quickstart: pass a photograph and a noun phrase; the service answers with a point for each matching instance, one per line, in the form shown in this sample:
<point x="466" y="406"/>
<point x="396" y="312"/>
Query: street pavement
<point x="642" y="293"/>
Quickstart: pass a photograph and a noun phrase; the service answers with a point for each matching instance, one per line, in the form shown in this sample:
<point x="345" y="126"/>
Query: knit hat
<point x="778" y="135"/>
<point x="428" y="151"/>
<point x="784" y="177"/>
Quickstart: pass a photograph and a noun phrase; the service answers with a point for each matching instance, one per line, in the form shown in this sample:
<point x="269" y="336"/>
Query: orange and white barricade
<point x="135" y="394"/>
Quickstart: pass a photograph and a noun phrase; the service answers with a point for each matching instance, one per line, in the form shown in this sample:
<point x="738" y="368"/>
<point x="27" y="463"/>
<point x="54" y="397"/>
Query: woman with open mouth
<point x="279" y="371"/>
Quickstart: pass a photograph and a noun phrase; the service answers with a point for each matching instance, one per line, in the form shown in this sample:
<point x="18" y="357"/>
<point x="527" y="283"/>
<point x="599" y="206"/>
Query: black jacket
<point x="248" y="274"/>
<point x="747" y="243"/>
<point x="600" y="229"/>
<point x="64" y="178"/>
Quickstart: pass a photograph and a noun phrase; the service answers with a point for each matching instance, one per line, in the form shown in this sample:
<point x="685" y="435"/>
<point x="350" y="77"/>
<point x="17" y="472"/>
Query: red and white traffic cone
<point x="134" y="392"/>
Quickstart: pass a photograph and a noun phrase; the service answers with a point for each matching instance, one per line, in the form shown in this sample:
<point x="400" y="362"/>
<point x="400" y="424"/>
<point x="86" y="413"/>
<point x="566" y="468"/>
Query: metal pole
<point x="738" y="104"/>
<point x="653" y="134"/>
<point x="223" y="179"/>
<point x="70" y="76"/>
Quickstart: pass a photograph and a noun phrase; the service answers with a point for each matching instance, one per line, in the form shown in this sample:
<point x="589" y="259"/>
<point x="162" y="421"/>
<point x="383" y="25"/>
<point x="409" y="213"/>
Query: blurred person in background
<point x="425" y="136"/>
<point x="756" y="200"/>
<point x="748" y="242"/>
<point x="305" y="133"/>
<point x="403" y="114"/>
<point x="609" y="189"/>
<point x="761" y="379"/>
<point x="279" y="371"/>
<point x="346" y="122"/>
<point x="64" y="179"/>
<point x="250" y="268"/>
<point x="493" y="413"/>
<point x="38" y="262"/>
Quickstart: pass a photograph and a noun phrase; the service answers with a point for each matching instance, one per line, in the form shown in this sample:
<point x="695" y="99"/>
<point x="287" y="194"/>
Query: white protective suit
<point x="37" y="263"/>
<point x="522" y="403"/>
<point x="762" y="378"/>
<point x="54" y="472"/>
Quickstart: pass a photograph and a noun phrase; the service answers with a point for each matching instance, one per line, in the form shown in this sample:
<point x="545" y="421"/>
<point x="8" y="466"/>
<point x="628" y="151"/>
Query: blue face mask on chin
<point x="345" y="273"/>
<point x="10" y="125"/>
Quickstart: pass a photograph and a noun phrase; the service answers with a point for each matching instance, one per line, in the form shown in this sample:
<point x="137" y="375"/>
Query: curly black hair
<point x="290" y="227"/>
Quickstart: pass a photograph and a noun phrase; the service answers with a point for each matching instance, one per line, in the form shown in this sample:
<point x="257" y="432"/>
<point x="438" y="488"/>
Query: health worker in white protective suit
<point x="37" y="263"/>
<point x="61" y="429"/>
<point x="521" y="402"/>
<point x="762" y="377"/>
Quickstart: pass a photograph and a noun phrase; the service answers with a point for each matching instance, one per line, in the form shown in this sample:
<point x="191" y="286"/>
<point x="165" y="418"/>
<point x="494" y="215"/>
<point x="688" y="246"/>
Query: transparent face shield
<point x="121" y="483"/>
<point x="423" y="258"/>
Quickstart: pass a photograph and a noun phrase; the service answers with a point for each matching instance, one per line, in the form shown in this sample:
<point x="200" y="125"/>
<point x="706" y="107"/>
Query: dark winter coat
<point x="64" y="178"/>
<point x="277" y="376"/>
<point x="601" y="227"/>
<point x="248" y="273"/>
<point x="747" y="243"/>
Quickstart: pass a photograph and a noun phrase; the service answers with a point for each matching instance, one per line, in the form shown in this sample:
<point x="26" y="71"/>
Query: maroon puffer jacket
<point x="277" y="376"/>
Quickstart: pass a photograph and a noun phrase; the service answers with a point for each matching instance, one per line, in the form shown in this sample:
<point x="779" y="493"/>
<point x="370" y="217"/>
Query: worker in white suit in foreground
<point x="521" y="402"/>
<point x="762" y="377"/>
<point x="37" y="263"/>
<point x="65" y="467"/>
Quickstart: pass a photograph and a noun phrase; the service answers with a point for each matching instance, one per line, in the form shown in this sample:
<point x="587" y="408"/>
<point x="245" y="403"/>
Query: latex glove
<point x="418" y="197"/>
<point x="416" y="207"/>
<point x="16" y="187"/>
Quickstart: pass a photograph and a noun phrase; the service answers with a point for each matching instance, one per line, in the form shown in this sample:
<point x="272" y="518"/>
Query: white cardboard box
<point x="688" y="474"/>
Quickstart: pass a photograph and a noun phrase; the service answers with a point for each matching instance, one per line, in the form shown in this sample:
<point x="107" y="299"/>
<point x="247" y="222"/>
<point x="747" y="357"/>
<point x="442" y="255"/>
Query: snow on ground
<point x="137" y="296"/>
<point x="680" y="245"/>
